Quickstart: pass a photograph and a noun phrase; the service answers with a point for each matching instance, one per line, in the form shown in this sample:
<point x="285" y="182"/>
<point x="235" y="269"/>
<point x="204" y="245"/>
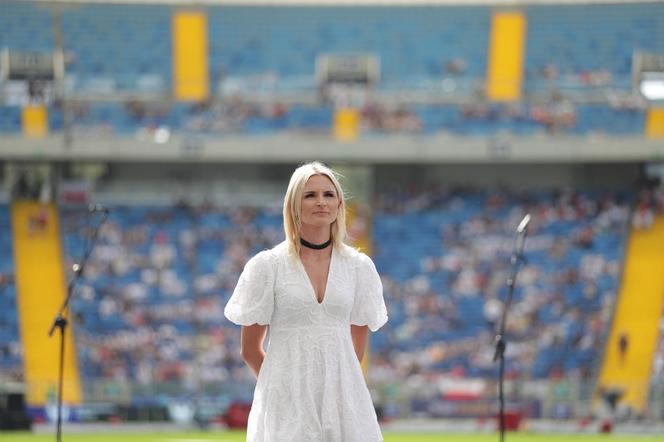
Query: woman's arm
<point x="251" y="344"/>
<point x="360" y="334"/>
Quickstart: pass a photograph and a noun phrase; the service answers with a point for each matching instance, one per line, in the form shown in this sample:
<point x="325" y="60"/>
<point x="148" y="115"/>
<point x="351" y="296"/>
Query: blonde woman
<point x="319" y="298"/>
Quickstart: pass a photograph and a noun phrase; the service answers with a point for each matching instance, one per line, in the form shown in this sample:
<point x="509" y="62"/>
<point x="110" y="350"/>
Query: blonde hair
<point x="293" y="206"/>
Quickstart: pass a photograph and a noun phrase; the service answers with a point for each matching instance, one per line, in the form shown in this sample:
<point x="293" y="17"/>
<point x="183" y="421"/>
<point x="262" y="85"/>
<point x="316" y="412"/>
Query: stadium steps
<point x="637" y="314"/>
<point x="40" y="282"/>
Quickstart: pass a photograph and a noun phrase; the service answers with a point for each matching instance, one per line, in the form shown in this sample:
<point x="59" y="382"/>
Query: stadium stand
<point x="241" y="117"/>
<point x="160" y="276"/>
<point x="148" y="310"/>
<point x="578" y="243"/>
<point x="129" y="52"/>
<point x="417" y="46"/>
<point x="146" y="316"/>
<point x="10" y="347"/>
<point x="561" y="44"/>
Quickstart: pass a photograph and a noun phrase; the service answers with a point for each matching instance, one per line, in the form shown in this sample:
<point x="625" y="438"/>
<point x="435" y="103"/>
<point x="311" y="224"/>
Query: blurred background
<point x="449" y="121"/>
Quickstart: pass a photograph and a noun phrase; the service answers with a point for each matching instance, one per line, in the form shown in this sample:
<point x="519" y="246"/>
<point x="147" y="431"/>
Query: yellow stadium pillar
<point x="190" y="56"/>
<point x="655" y="123"/>
<point x="346" y="124"/>
<point x="34" y="120"/>
<point x="506" y="56"/>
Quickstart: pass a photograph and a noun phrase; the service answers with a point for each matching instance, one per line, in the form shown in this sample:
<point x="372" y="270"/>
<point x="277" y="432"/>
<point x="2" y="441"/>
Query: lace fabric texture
<point x="310" y="387"/>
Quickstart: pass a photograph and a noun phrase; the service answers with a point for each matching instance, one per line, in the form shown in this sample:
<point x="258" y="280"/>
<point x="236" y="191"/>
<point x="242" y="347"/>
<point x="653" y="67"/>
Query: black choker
<point x="306" y="243"/>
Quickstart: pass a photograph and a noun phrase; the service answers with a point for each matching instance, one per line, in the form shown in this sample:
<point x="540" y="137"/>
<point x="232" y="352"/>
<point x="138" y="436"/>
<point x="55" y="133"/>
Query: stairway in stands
<point x="40" y="282"/>
<point x="637" y="313"/>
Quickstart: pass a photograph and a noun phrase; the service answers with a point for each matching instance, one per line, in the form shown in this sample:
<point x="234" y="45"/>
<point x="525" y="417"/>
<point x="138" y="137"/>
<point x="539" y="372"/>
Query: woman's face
<point x="320" y="202"/>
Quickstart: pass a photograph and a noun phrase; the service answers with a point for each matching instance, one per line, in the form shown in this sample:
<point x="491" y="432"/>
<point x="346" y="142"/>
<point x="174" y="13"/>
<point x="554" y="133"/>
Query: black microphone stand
<point x="60" y="321"/>
<point x="501" y="344"/>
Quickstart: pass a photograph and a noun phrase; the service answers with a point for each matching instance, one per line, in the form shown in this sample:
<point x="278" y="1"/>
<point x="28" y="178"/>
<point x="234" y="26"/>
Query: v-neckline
<point x="327" y="281"/>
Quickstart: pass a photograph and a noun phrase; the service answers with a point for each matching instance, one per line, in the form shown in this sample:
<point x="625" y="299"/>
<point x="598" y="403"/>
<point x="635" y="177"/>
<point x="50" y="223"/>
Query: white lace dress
<point x="310" y="387"/>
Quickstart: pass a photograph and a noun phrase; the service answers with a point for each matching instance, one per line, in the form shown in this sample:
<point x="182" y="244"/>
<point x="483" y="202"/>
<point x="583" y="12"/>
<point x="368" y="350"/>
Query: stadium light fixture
<point x="652" y="85"/>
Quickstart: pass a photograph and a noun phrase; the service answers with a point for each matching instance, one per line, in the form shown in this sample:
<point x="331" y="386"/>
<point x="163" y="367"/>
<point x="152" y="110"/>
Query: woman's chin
<point x="318" y="223"/>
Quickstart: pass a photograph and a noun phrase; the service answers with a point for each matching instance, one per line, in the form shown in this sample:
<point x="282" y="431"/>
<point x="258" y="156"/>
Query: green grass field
<point x="389" y="437"/>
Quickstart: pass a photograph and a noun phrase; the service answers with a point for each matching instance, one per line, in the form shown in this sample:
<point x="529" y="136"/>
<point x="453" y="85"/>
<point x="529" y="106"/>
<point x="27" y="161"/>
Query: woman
<point x="319" y="297"/>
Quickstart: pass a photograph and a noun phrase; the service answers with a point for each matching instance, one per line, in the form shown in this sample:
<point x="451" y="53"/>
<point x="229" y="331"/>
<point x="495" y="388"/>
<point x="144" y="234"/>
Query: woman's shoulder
<point x="270" y="256"/>
<point x="355" y="256"/>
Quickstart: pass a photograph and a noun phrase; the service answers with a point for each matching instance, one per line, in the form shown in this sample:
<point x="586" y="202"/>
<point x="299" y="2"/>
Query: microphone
<point x="92" y="208"/>
<point x="523" y="225"/>
<point x="521" y="233"/>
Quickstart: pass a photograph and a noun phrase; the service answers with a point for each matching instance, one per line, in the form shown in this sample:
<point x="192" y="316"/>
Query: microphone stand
<point x="60" y="321"/>
<point x="500" y="343"/>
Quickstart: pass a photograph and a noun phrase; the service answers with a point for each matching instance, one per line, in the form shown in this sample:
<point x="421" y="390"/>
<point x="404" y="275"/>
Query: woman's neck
<point x="316" y="235"/>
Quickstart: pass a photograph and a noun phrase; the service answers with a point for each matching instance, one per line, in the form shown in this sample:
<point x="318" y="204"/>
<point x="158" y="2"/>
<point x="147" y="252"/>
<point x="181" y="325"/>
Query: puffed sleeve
<point x="369" y="305"/>
<point x="252" y="301"/>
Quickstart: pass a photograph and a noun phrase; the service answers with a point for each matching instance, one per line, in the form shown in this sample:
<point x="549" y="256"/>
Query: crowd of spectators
<point x="149" y="309"/>
<point x="11" y="351"/>
<point x="241" y="114"/>
<point x="650" y="203"/>
<point x="658" y="362"/>
<point x="445" y="311"/>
